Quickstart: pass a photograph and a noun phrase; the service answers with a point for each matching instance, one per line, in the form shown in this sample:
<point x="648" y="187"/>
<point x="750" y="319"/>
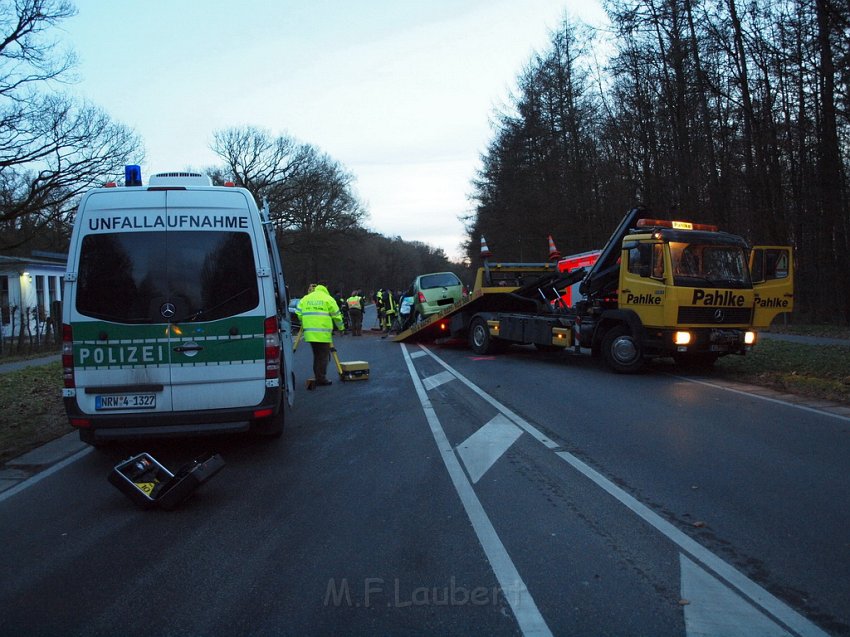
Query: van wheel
<point x="272" y="427"/>
<point x="622" y="351"/>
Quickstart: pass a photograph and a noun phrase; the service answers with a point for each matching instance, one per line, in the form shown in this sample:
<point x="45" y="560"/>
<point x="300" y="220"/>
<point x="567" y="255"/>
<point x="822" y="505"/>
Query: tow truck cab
<point x="687" y="291"/>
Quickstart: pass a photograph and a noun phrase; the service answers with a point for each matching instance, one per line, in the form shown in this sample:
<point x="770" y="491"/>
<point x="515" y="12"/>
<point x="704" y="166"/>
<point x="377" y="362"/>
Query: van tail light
<point x="422" y="298"/>
<point x="68" y="356"/>
<point x="272" y="348"/>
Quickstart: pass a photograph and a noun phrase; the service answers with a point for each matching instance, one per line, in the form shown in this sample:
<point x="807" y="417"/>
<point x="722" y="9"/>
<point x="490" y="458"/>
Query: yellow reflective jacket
<point x="319" y="313"/>
<point x="354" y="302"/>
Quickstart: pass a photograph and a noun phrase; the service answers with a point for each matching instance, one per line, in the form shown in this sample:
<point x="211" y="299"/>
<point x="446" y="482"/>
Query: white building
<point x="28" y="288"/>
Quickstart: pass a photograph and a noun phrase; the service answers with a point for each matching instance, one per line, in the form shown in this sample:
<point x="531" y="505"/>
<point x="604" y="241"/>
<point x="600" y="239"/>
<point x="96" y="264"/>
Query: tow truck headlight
<point x="682" y="338"/>
<point x="749" y="338"/>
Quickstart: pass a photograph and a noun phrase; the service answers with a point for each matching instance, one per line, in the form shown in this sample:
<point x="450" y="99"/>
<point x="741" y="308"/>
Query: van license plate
<point x="125" y="401"/>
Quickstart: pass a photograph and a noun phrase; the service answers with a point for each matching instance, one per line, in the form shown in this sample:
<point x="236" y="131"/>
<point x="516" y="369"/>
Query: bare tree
<point x="310" y="195"/>
<point x="52" y="148"/>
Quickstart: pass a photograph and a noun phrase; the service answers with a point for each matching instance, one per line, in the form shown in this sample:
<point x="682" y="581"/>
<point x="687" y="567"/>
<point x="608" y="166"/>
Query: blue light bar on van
<point x="132" y="175"/>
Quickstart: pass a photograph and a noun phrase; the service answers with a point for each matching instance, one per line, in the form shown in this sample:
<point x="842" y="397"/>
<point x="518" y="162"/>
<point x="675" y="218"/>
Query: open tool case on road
<point x="149" y="484"/>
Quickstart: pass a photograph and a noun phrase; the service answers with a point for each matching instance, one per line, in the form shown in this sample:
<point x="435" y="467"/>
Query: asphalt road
<point x="455" y="494"/>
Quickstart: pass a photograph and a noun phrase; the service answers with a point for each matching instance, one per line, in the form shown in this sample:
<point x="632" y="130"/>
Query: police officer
<point x="319" y="314"/>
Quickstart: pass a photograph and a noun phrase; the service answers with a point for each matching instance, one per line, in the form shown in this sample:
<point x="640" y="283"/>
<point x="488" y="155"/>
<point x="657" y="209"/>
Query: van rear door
<point x="217" y="333"/>
<point x="121" y="341"/>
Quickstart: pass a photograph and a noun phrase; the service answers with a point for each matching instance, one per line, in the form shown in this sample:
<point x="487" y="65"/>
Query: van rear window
<point x="128" y="277"/>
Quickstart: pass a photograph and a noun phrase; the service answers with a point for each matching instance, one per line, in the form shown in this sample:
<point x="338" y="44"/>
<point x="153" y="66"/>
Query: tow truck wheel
<point x="480" y="340"/>
<point x="622" y="351"/>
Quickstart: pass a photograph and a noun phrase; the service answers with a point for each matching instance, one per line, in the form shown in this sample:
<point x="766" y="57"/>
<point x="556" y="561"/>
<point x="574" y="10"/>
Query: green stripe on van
<point x="99" y="344"/>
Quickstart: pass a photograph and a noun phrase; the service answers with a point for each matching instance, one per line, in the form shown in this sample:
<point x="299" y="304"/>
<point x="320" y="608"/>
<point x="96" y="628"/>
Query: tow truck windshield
<point x="709" y="265"/>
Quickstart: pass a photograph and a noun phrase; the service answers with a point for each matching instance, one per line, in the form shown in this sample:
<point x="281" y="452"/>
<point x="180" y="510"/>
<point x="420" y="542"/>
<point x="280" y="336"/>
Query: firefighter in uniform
<point x="378" y="298"/>
<point x="319" y="314"/>
<point x="389" y="309"/>
<point x="355" y="312"/>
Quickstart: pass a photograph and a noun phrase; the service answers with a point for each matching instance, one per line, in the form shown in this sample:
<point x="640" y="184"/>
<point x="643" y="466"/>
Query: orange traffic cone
<point x="485" y="251"/>
<point x="554" y="255"/>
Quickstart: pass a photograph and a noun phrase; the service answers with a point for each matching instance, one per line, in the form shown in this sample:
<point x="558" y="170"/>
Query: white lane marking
<point x="437" y="379"/>
<point x="519" y="422"/>
<point x="760" y="597"/>
<point x="417" y="354"/>
<point x="764" y="600"/>
<point x="8" y="493"/>
<point x="516" y="593"/>
<point x="714" y="610"/>
<point x="480" y="451"/>
<point x="769" y="399"/>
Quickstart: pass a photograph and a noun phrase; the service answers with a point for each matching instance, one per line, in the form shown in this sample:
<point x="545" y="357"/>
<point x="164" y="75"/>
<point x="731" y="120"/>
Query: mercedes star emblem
<point x="168" y="310"/>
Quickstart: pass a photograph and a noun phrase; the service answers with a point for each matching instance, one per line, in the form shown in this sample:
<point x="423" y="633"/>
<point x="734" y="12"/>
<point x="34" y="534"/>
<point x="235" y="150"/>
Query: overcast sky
<point x="399" y="91"/>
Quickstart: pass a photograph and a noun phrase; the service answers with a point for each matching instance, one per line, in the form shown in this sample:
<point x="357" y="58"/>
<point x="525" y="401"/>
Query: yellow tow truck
<point x="658" y="288"/>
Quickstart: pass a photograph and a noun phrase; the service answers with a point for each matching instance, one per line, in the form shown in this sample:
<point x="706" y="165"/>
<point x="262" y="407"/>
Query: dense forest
<point x="734" y="112"/>
<point x="731" y="112"/>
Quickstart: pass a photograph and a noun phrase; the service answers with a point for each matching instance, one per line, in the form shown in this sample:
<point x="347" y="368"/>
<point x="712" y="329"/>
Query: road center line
<point x="516" y="593"/>
<point x="734" y="578"/>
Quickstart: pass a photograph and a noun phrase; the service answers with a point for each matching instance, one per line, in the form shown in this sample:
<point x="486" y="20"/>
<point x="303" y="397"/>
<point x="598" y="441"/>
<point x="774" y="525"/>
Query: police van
<point x="175" y="319"/>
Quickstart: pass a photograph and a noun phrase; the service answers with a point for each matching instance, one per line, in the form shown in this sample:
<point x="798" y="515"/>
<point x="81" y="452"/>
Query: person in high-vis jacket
<point x="355" y="312"/>
<point x="389" y="307"/>
<point x="319" y="315"/>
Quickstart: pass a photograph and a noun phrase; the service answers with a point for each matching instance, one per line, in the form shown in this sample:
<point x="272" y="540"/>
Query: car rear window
<point x="128" y="276"/>
<point x="443" y="279"/>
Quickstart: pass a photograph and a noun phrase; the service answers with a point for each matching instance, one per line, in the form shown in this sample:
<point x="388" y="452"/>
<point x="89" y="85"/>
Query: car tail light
<point x="272" y="348"/>
<point x="68" y="356"/>
<point x="422" y="298"/>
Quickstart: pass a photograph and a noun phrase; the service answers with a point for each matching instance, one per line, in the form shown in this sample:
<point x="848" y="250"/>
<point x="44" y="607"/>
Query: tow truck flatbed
<point x="499" y="288"/>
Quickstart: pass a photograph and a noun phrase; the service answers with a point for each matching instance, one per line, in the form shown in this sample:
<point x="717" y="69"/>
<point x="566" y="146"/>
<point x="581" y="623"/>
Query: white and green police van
<point x="175" y="320"/>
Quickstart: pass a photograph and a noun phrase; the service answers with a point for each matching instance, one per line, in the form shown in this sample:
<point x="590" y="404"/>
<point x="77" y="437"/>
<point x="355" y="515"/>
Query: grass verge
<point x="814" y="371"/>
<point x="32" y="411"/>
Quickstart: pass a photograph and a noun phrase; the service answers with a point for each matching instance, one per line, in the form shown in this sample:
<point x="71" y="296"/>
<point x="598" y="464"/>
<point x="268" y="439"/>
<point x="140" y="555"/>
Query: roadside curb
<point x="32" y="463"/>
<point x="829" y="407"/>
